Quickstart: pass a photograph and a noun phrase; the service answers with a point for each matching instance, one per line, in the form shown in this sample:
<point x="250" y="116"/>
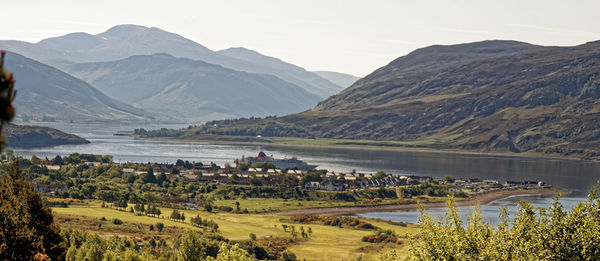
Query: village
<point x="264" y="170"/>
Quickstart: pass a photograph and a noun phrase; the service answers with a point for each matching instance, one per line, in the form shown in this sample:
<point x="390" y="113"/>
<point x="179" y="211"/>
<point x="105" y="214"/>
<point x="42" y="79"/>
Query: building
<point x="313" y="185"/>
<point x="128" y="171"/>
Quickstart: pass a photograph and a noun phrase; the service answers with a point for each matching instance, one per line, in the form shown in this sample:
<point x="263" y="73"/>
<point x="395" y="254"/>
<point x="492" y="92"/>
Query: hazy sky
<point x="354" y="37"/>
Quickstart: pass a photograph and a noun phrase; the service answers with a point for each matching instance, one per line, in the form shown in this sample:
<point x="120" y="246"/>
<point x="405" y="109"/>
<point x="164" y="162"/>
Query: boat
<point x="285" y="163"/>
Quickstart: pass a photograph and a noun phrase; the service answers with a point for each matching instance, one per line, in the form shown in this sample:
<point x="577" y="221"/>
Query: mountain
<point x="46" y="93"/>
<point x="341" y="79"/>
<point x="499" y="96"/>
<point x="122" y="41"/>
<point x="259" y="63"/>
<point x="193" y="90"/>
<point x="25" y="136"/>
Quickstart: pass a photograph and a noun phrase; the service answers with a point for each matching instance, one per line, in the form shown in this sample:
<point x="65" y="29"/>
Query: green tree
<point x="380" y="174"/>
<point x="235" y="253"/>
<point x="191" y="247"/>
<point x="160" y="226"/>
<point x="26" y="223"/>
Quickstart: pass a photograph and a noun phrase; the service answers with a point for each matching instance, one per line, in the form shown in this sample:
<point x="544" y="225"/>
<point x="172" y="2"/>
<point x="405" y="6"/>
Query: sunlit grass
<point x="325" y="242"/>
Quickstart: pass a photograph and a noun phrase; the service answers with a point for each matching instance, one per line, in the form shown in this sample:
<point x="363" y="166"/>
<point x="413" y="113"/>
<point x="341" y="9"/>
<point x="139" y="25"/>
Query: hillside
<point x="45" y="93"/>
<point x="492" y="96"/>
<point x="342" y="79"/>
<point x="25" y="136"/>
<point x="193" y="90"/>
<point x="123" y="41"/>
<point x="312" y="82"/>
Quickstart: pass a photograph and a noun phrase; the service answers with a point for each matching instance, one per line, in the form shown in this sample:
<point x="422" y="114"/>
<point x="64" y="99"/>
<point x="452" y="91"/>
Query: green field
<point x="266" y="205"/>
<point x="325" y="243"/>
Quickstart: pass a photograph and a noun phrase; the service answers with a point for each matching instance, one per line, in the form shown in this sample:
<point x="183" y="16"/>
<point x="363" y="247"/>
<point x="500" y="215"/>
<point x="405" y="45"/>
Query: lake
<point x="576" y="176"/>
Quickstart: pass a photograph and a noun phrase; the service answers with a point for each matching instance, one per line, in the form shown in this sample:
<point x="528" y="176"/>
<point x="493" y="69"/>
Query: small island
<point x="27" y="136"/>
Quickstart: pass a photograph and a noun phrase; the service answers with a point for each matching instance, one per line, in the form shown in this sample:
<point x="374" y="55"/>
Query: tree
<point x="235" y="253"/>
<point x="27" y="226"/>
<point x="161" y="177"/>
<point x="380" y="174"/>
<point x="311" y="176"/>
<point x="149" y="177"/>
<point x="234" y="178"/>
<point x="255" y="181"/>
<point x="7" y="96"/>
<point x="191" y="247"/>
<point x="175" y="214"/>
<point x="57" y="160"/>
<point x="160" y="226"/>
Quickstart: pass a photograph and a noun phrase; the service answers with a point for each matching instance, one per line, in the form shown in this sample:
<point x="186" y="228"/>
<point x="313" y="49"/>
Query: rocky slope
<point x="499" y="96"/>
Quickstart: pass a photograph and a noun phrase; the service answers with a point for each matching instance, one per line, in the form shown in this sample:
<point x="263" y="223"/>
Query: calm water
<point x="489" y="211"/>
<point x="575" y="176"/>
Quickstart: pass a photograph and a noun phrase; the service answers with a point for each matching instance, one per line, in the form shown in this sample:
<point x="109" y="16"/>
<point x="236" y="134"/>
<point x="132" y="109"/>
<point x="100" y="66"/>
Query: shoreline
<point x="475" y="200"/>
<point x="372" y="147"/>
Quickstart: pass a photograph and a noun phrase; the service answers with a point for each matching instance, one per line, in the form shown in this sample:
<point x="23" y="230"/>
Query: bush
<point x="160" y="226"/>
<point x="350" y="222"/>
<point x="382" y="236"/>
<point x="546" y="234"/>
<point x="225" y="209"/>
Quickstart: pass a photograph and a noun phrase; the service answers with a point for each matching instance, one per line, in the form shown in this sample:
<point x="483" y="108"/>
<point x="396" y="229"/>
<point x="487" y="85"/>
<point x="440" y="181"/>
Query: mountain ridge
<point x="192" y="89"/>
<point x="122" y="41"/>
<point x="46" y="93"/>
<point x="503" y="96"/>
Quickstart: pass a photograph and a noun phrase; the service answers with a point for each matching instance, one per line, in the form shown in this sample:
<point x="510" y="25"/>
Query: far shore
<point x="368" y="147"/>
<point x="481" y="199"/>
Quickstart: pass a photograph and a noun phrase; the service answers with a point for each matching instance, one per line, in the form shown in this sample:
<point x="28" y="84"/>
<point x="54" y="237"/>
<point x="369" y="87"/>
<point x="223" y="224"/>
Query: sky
<point x="346" y="36"/>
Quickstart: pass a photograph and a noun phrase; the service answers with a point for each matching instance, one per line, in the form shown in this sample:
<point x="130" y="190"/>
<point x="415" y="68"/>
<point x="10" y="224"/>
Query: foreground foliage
<point x="27" y="228"/>
<point x="543" y="234"/>
<point x="190" y="246"/>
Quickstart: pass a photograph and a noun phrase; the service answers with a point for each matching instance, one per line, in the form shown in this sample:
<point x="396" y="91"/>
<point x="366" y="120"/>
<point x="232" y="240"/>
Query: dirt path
<point x="475" y="200"/>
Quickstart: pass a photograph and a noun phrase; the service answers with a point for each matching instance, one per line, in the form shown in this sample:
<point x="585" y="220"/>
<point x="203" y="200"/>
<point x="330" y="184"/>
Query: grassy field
<point x="325" y="243"/>
<point x="277" y="204"/>
<point x="266" y="205"/>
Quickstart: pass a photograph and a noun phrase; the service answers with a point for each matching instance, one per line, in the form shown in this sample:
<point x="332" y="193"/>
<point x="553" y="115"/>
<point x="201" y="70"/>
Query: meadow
<point x="324" y="243"/>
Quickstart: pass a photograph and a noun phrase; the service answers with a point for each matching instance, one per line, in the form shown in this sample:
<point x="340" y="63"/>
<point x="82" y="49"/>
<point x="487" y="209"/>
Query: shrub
<point x="225" y="209"/>
<point x="546" y="234"/>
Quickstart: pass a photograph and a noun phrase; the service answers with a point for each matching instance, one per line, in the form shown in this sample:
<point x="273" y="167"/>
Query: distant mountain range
<point x="45" y="93"/>
<point x="123" y="41"/>
<point x="501" y="96"/>
<point x="193" y="90"/>
<point x="148" y="69"/>
<point x="341" y="79"/>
